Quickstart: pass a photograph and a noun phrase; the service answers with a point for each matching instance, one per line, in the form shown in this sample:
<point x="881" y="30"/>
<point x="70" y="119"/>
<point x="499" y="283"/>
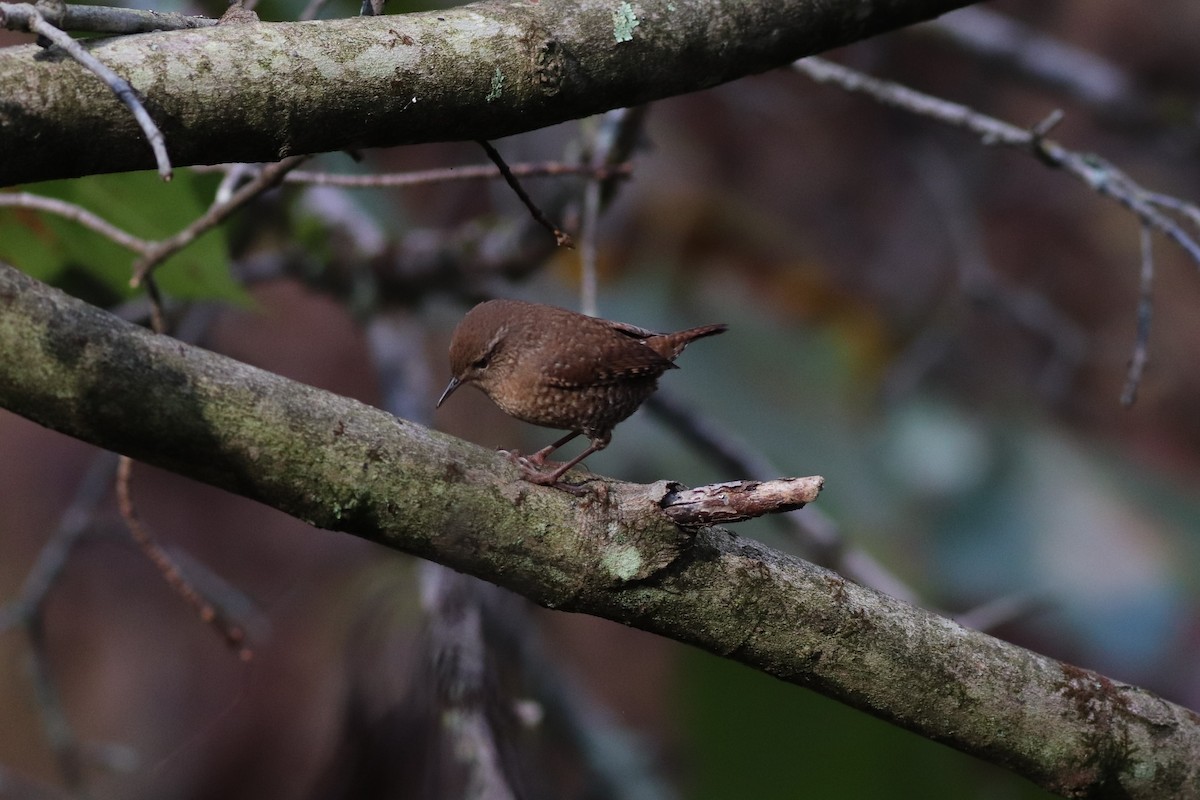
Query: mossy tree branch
<point x="342" y="465"/>
<point x="251" y="91"/>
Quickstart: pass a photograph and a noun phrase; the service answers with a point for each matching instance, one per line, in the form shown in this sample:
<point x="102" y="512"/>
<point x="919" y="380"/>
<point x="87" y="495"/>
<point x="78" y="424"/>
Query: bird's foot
<point x="533" y="462"/>
<point x="533" y="471"/>
<point x="523" y="461"/>
<point x="538" y="459"/>
<point x="552" y="478"/>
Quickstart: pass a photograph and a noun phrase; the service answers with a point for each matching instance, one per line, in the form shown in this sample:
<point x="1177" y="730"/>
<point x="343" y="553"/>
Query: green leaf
<point x="54" y="249"/>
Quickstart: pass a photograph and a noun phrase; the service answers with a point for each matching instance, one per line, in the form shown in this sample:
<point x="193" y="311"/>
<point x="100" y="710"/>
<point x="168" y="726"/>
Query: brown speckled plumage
<point x="554" y="367"/>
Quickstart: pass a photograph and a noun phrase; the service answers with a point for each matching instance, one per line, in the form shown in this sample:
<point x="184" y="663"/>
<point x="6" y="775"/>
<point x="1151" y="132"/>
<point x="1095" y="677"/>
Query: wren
<point x="556" y="368"/>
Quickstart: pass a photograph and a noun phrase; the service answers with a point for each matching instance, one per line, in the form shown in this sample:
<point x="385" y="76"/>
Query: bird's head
<point x="478" y="352"/>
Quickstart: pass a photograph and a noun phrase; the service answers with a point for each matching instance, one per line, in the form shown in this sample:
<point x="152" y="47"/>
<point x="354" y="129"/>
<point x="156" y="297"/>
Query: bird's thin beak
<point x="450" y="387"/>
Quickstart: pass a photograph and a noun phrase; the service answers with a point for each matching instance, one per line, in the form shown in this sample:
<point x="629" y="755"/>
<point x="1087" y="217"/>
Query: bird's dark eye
<point x="488" y="353"/>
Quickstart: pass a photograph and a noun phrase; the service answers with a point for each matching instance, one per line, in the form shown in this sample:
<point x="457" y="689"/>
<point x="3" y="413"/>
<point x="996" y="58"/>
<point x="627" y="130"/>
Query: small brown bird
<point x="554" y="367"/>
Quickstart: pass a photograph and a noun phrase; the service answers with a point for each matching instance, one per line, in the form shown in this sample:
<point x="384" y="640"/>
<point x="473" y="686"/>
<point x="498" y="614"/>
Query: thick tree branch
<point x="345" y="466"/>
<point x="262" y="91"/>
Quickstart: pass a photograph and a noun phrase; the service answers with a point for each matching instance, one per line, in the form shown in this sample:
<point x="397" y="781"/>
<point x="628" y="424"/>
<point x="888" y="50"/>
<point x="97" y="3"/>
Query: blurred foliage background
<point x="940" y="329"/>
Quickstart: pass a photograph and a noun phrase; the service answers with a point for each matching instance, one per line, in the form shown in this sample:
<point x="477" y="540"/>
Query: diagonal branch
<point x="342" y="465"/>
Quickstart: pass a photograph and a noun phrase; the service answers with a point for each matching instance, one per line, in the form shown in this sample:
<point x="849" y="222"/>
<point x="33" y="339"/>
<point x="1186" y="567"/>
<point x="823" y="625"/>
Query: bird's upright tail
<point x="670" y="345"/>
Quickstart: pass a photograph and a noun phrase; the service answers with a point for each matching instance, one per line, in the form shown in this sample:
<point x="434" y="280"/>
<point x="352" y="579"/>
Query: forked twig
<point x="159" y="252"/>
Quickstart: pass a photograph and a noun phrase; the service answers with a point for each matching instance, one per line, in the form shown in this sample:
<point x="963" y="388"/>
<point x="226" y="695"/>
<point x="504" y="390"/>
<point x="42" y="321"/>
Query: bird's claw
<point x="522" y="461"/>
<point x="532" y="471"/>
<point x="551" y="479"/>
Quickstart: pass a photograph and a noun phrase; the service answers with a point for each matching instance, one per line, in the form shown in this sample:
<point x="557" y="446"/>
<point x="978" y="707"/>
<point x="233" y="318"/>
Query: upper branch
<point x="254" y="91"/>
<point x="343" y="465"/>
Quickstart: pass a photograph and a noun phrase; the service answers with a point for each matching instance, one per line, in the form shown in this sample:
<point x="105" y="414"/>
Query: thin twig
<point x="235" y="175"/>
<point x="1189" y="210"/>
<point x="1145" y="313"/>
<point x="448" y="174"/>
<point x="560" y="236"/>
<point x="158" y="320"/>
<point x="233" y="634"/>
<point x="22" y="16"/>
<point x="1102" y="176"/>
<point x="75" y="213"/>
<point x="216" y="214"/>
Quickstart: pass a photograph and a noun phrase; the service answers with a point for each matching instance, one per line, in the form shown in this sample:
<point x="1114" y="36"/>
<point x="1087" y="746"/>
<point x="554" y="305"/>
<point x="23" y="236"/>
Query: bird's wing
<point x="631" y="331"/>
<point x="620" y="360"/>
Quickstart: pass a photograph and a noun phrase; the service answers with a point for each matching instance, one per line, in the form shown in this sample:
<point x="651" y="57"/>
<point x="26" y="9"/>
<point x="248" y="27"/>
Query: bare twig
<point x="448" y="174"/>
<point x="234" y="635"/>
<point x="1189" y="210"/>
<point x="158" y="320"/>
<point x="23" y="16"/>
<point x="560" y="236"/>
<point x="235" y="176"/>
<point x="1102" y="176"/>
<point x="216" y="214"/>
<point x="1145" y="313"/>
<point x="736" y="501"/>
<point x="75" y="213"/>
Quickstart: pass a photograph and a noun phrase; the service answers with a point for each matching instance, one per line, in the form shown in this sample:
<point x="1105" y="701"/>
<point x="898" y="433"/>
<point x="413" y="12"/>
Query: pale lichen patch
<point x="623" y="562"/>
